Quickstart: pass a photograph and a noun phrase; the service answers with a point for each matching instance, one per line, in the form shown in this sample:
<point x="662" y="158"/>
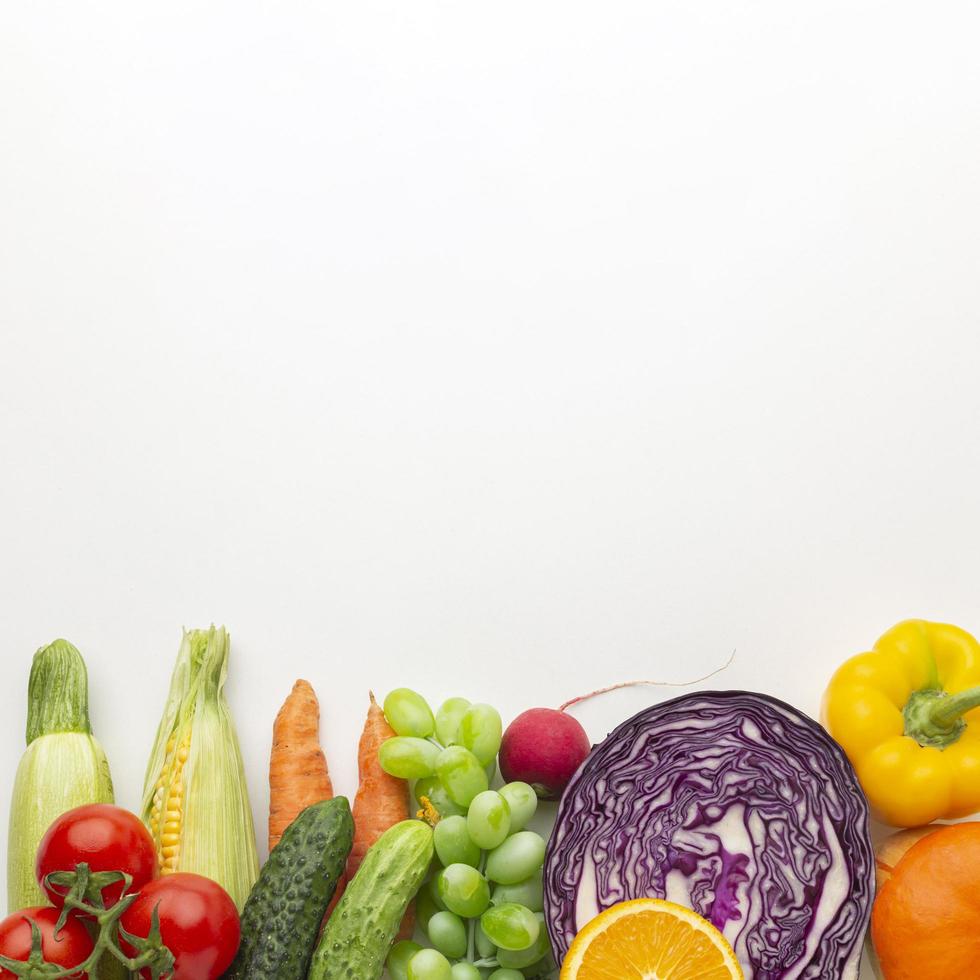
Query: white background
<point x="507" y="349"/>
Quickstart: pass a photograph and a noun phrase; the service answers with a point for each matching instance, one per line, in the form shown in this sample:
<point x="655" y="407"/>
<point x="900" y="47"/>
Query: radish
<point x="545" y="746"/>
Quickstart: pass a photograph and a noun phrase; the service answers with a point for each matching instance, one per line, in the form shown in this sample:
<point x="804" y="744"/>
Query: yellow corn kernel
<point x="165" y="820"/>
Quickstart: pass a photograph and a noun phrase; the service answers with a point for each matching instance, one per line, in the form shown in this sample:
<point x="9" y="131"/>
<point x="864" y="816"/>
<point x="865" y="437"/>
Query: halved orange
<point x="650" y="939"/>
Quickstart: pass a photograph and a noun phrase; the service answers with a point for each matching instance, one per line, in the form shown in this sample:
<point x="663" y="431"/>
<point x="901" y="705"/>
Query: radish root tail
<point x="618" y="687"/>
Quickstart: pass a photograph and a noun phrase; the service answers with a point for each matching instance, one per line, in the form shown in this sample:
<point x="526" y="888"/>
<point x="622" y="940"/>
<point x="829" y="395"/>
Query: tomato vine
<point x="84" y="897"/>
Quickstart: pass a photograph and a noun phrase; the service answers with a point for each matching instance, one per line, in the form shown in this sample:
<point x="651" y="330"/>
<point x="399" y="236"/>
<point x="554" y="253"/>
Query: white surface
<point x="505" y="349"/>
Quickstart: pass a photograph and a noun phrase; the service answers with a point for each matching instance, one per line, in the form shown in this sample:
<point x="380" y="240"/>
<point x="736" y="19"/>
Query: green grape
<point x="461" y="774"/>
<point x="510" y="926"/>
<point x="408" y="758"/>
<point x="432" y="887"/>
<point x="448" y="934"/>
<point x="399" y="957"/>
<point x="480" y="731"/>
<point x="529" y="893"/>
<point x="491" y="772"/>
<point x="432" y="789"/>
<point x="484" y="946"/>
<point x="523" y="803"/>
<point x="463" y="890"/>
<point x="543" y="968"/>
<point x="523" y="958"/>
<point x="453" y="843"/>
<point x="448" y="717"/>
<point x="506" y="975"/>
<point x="429" y="964"/>
<point x="488" y="820"/>
<point x="409" y="714"/>
<point x="516" y="859"/>
<point x="425" y="907"/>
<point x="466" y="971"/>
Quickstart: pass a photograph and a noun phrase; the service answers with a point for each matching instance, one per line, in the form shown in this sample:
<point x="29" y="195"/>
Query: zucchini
<point x="281" y="919"/>
<point x="64" y="765"/>
<point x="356" y="940"/>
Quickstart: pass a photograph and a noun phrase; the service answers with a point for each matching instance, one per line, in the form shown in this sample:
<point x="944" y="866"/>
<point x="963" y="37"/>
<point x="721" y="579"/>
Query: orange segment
<point x="650" y="939"/>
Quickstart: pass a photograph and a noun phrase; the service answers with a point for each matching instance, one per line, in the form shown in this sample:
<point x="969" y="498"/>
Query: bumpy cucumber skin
<point x="357" y="938"/>
<point x="281" y="919"/>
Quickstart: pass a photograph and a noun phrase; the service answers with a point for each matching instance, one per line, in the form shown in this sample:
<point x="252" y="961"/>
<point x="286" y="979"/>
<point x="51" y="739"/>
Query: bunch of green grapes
<point x="481" y="908"/>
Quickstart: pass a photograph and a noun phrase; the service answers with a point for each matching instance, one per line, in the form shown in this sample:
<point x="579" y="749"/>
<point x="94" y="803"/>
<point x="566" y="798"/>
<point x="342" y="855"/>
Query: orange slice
<point x="650" y="939"/>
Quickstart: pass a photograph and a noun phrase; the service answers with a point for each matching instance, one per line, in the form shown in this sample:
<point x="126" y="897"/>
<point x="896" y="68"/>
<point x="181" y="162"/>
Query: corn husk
<point x="196" y="768"/>
<point x="64" y="765"/>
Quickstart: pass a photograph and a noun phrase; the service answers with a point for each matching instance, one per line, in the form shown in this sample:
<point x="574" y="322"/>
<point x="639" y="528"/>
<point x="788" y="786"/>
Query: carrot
<point x="381" y="800"/>
<point x="298" y="775"/>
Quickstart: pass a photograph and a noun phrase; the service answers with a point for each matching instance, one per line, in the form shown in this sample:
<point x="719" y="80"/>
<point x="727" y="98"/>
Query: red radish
<point x="545" y="746"/>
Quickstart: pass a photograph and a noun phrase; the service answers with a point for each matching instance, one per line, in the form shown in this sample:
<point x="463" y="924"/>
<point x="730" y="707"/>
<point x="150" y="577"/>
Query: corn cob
<point x="195" y="799"/>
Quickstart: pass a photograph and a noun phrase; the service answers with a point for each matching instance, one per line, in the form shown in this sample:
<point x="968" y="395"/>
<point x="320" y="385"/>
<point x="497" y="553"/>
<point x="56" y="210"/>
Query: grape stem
<point x="617" y="687"/>
<point x="471" y="940"/>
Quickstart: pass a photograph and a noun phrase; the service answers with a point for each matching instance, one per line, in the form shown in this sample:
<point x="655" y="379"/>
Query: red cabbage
<point x="733" y="804"/>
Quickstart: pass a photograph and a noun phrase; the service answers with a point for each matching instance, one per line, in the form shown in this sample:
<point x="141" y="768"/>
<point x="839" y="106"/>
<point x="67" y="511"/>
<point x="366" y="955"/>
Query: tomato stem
<point x="85" y="896"/>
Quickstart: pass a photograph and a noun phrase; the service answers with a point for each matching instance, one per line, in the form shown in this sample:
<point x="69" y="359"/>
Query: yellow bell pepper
<point x="907" y="713"/>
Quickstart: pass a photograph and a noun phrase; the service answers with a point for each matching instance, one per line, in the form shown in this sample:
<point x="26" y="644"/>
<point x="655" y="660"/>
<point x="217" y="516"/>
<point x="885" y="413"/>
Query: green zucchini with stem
<point x="64" y="765"/>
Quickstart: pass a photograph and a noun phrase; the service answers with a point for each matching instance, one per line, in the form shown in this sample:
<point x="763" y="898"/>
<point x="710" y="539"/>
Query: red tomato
<point x="72" y="947"/>
<point x="107" y="837"/>
<point x="198" y="924"/>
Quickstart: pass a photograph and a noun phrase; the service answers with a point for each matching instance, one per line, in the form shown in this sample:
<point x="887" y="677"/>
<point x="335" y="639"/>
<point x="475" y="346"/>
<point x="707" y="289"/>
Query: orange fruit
<point x="926" y="919"/>
<point x="649" y="937"/>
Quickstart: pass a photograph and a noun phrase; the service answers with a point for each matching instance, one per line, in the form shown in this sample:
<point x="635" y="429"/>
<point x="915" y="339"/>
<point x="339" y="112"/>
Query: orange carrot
<point x="381" y="800"/>
<point x="298" y="775"/>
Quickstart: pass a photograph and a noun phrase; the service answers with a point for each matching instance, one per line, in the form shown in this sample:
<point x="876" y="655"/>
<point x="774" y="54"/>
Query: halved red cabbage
<point x="730" y="803"/>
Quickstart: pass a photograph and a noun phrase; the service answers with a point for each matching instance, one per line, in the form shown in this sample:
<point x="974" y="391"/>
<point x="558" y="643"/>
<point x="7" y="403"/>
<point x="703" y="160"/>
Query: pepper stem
<point x="951" y="709"/>
<point x="935" y="718"/>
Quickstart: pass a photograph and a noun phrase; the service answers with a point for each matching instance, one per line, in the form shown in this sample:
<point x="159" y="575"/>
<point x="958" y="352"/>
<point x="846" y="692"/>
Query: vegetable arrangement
<point x="715" y="836"/>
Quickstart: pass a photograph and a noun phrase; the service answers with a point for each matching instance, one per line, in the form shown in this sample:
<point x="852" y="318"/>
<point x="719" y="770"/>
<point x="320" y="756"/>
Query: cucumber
<point x="281" y="919"/>
<point x="356" y="940"/>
